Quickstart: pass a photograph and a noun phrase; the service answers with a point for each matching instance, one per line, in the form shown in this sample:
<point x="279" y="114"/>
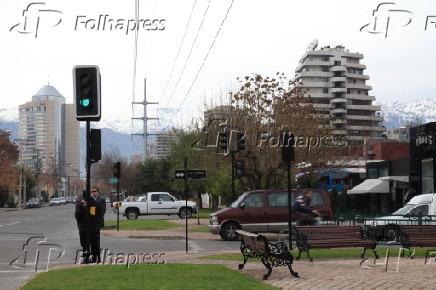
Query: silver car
<point x="54" y="201"/>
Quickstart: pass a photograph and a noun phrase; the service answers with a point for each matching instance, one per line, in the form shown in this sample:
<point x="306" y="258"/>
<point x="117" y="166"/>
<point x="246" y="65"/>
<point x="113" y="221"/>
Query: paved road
<point x="30" y="234"/>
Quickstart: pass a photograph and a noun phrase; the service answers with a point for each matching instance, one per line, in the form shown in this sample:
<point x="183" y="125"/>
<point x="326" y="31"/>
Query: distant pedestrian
<point x="303" y="211"/>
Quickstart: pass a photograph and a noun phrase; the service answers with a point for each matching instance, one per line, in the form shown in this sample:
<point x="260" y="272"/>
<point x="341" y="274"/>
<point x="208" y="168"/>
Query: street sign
<point x="113" y="180"/>
<point x="193" y="174"/>
<point x="179" y="174"/>
<point x="197" y="174"/>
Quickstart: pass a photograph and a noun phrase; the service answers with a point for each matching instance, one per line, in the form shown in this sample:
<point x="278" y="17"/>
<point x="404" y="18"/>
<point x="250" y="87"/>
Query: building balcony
<point x="338" y="121"/>
<point x="321" y="106"/>
<point x="367" y="128"/>
<point x="338" y="68"/>
<point x="368" y="118"/>
<point x="324" y="74"/>
<point x="338" y="100"/>
<point x="338" y="90"/>
<point x="313" y="63"/>
<point x="357" y="76"/>
<point x="360" y="97"/>
<point x="355" y="65"/>
<point x="338" y="111"/>
<point x="338" y="79"/>
<point x="339" y="132"/>
<point x="364" y="107"/>
<point x="359" y="86"/>
<point x="313" y="85"/>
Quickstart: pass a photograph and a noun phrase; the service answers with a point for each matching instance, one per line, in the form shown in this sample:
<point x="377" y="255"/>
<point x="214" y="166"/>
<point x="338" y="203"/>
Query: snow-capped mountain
<point x="396" y="113"/>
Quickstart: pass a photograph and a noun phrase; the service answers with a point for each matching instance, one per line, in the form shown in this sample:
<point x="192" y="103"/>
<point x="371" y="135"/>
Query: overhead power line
<point x="189" y="55"/>
<point x="205" y="58"/>
<point x="178" y="52"/>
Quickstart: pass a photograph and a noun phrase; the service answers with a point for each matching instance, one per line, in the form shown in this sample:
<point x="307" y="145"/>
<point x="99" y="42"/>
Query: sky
<point x="256" y="37"/>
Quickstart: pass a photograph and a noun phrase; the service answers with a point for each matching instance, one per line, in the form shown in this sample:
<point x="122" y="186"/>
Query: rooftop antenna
<point x="48" y="79"/>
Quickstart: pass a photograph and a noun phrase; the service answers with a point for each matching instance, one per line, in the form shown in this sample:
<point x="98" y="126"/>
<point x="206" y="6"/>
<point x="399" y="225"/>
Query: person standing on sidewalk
<point x="95" y="193"/>
<point x="80" y="215"/>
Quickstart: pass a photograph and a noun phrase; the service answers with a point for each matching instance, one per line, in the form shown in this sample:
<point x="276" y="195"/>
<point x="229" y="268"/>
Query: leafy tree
<point x="152" y="175"/>
<point x="8" y="158"/>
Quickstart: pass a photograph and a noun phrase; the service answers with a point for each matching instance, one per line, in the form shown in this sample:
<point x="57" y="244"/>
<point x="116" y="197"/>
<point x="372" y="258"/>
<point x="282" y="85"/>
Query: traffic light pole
<point x="290" y="205"/>
<point x="233" y="177"/>
<point x="185" y="161"/>
<point x="118" y="204"/>
<point x="87" y="195"/>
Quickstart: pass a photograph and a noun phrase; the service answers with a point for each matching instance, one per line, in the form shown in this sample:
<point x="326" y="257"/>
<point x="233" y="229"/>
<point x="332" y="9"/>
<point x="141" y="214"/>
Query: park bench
<point x="417" y="236"/>
<point x="271" y="255"/>
<point x="326" y="237"/>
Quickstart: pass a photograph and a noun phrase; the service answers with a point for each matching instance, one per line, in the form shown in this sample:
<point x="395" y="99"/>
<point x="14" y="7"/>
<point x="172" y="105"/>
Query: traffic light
<point x="95" y="145"/>
<point x="239" y="169"/>
<point x="240" y="141"/>
<point x="224" y="141"/>
<point x="87" y="92"/>
<point x="117" y="169"/>
<point x="288" y="150"/>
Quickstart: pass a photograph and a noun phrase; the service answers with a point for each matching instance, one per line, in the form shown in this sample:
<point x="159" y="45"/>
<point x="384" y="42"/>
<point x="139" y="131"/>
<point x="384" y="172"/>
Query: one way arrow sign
<point x="179" y="174"/>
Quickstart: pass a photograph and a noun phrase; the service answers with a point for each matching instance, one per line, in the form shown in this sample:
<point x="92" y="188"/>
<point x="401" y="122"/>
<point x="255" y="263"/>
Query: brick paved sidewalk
<point x="336" y="273"/>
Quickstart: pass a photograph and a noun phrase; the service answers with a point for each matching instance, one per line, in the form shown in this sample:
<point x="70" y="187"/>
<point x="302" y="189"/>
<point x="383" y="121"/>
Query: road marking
<point x="194" y="246"/>
<point x="1" y="225"/>
<point x="13" y="223"/>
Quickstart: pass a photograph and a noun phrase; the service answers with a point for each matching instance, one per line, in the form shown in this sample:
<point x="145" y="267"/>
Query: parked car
<point x="33" y="203"/>
<point x="262" y="211"/>
<point x="70" y="199"/>
<point x="421" y="209"/>
<point x="54" y="201"/>
<point x="157" y="203"/>
<point x="62" y="200"/>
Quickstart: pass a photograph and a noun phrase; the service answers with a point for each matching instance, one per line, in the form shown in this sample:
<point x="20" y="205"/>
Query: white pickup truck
<point x="421" y="209"/>
<point x="157" y="203"/>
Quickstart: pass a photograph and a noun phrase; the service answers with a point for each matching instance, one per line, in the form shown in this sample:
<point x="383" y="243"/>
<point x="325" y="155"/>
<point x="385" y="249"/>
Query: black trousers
<point x="82" y="239"/>
<point x="94" y="239"/>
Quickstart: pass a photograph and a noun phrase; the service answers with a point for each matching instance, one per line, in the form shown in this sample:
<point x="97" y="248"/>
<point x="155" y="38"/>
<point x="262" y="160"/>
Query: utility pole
<point x="145" y="119"/>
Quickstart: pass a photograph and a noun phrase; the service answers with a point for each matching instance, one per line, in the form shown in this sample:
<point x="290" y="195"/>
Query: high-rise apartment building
<point x="49" y="135"/>
<point x="334" y="78"/>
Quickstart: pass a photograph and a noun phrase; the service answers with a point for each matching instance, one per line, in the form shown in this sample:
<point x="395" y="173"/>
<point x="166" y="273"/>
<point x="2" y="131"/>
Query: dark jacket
<point x="302" y="204"/>
<point x="95" y="215"/>
<point x="102" y="203"/>
<point x="80" y="215"/>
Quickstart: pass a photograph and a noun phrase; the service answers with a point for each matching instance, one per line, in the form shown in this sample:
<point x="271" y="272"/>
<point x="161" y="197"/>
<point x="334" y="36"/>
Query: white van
<point x="420" y="209"/>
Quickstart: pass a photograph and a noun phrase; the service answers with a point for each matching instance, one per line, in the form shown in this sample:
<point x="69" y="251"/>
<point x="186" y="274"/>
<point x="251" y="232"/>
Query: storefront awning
<point x="397" y="178"/>
<point x="371" y="186"/>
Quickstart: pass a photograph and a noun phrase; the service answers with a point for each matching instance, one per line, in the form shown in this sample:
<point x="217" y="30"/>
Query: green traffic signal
<point x="85" y="102"/>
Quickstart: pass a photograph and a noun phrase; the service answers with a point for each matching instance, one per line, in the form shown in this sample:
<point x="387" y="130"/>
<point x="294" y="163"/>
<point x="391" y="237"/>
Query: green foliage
<point x="167" y="276"/>
<point x="153" y="175"/>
